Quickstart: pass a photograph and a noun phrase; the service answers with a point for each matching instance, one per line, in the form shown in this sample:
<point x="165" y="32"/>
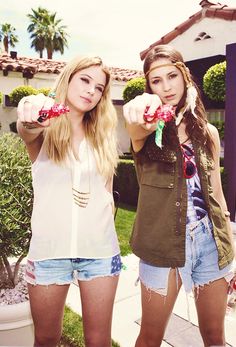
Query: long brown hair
<point x="196" y="128"/>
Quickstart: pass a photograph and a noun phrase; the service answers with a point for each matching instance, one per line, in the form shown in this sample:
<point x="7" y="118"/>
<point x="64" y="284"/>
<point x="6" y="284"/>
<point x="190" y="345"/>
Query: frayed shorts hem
<point x="67" y="271"/>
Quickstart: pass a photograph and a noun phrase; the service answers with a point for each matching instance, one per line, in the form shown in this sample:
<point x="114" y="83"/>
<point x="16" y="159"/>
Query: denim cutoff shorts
<point x="201" y="265"/>
<point x="66" y="271"/>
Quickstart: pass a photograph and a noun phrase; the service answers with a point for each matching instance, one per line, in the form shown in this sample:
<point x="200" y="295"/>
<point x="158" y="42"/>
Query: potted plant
<point x="15" y="215"/>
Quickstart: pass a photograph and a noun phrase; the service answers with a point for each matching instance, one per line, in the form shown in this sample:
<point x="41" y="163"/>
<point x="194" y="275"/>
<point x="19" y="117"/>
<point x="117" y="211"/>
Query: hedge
<point x="19" y="92"/>
<point x="125" y="182"/>
<point x="134" y="87"/>
<point x="214" y="82"/>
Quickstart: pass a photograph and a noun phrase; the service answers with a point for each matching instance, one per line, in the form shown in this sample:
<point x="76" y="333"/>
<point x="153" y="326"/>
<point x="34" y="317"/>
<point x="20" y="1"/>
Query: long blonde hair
<point x="99" y="123"/>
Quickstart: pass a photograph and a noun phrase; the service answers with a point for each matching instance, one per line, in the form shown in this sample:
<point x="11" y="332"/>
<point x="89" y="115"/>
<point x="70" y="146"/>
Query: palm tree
<point x="8" y="36"/>
<point x="46" y="32"/>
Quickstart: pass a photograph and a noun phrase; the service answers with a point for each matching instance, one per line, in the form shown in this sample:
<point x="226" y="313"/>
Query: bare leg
<point x="211" y="302"/>
<point x="156" y="311"/>
<point x="47" y="307"/>
<point x="97" y="296"/>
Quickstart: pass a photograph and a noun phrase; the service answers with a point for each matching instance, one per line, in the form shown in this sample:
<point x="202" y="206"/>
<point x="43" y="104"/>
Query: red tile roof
<point x="35" y="65"/>
<point x="209" y="9"/>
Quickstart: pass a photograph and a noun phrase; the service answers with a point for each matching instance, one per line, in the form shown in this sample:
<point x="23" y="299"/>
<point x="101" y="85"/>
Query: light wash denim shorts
<point x="201" y="266"/>
<point x="66" y="271"/>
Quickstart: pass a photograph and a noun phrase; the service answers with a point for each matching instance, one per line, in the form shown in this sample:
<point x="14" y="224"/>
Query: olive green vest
<point x="158" y="235"/>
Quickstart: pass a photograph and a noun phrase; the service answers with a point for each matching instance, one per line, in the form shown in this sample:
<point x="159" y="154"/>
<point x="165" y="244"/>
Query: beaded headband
<point x="192" y="94"/>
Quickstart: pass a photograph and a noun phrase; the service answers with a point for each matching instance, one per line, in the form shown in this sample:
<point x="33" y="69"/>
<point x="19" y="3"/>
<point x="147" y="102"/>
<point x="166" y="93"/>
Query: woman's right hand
<point x="28" y="110"/>
<point x="134" y="110"/>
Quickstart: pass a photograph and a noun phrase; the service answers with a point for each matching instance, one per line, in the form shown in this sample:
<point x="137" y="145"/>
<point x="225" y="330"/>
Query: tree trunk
<point x="49" y="52"/>
<point x="5" y="43"/>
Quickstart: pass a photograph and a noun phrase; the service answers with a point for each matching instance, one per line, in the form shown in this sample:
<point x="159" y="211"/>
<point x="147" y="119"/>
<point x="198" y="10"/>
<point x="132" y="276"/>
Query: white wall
<point x="15" y="79"/>
<point x="7" y="116"/>
<point x="41" y="80"/>
<point x="122" y="134"/>
<point x="222" y="32"/>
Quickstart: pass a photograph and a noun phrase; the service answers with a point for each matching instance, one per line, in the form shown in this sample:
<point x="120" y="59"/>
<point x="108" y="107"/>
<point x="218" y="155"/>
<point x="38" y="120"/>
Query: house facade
<point x="41" y="73"/>
<point x="202" y="40"/>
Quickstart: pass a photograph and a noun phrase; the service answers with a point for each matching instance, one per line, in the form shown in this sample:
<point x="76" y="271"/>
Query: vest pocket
<point x="158" y="174"/>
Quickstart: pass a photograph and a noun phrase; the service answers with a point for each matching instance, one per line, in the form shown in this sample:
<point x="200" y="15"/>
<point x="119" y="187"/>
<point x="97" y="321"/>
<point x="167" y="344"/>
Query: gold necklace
<point x="82" y="198"/>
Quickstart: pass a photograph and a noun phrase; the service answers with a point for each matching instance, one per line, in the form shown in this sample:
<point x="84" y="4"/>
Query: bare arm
<point x="28" y="127"/>
<point x="133" y="113"/>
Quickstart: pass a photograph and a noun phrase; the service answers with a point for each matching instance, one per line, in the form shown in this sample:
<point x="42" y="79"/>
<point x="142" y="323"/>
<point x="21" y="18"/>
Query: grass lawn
<point x="124" y="223"/>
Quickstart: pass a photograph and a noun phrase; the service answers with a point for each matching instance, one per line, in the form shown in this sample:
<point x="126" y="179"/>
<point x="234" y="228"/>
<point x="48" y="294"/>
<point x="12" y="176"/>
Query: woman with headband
<point x="182" y="229"/>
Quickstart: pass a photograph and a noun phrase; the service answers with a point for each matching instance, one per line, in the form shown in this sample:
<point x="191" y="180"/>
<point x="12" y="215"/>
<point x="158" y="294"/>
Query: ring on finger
<point x="28" y="125"/>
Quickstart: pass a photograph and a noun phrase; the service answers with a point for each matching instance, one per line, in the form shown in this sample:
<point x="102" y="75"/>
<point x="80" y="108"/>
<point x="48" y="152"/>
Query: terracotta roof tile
<point x="209" y="10"/>
<point x="36" y="65"/>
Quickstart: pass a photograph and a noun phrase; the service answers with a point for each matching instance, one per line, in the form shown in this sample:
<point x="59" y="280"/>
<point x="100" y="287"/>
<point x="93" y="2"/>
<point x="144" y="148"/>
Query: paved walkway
<point x="127" y="313"/>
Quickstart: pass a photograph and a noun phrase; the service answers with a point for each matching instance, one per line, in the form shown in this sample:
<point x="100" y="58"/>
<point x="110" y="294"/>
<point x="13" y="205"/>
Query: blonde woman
<point x="73" y="235"/>
<point x="182" y="229"/>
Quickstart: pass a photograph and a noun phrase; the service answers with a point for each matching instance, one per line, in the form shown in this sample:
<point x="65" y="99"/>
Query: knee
<point x="46" y="340"/>
<point x="214" y="337"/>
<point x="92" y="341"/>
<point x="148" y="340"/>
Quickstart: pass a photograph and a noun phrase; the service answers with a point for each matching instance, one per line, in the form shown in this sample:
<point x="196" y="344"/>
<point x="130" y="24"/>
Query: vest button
<point x="177" y="203"/>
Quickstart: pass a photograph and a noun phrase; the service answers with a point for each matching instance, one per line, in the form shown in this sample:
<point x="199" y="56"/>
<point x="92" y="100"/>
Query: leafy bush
<point x="44" y="91"/>
<point x="134" y="87"/>
<point x="214" y="82"/>
<point x="125" y="182"/>
<point x="19" y="92"/>
<point x="0" y="97"/>
<point x="15" y="206"/>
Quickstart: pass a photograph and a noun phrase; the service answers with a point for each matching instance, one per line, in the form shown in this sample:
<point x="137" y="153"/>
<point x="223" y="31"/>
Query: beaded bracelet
<point x="163" y="112"/>
<point x="55" y="111"/>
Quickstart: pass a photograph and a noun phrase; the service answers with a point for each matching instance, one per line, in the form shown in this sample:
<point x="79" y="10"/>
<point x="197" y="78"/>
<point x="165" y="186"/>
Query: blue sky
<point x="115" y="30"/>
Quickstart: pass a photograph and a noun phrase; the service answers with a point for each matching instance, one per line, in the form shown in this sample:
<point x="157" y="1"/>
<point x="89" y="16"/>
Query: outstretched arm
<point x="28" y="126"/>
<point x="133" y="112"/>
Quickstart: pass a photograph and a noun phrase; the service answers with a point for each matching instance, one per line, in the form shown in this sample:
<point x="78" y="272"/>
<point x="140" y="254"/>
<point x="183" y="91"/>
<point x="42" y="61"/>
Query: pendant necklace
<point x="81" y="198"/>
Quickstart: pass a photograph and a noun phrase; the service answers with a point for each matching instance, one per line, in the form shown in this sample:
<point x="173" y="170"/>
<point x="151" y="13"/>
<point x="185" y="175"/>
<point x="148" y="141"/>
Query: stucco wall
<point x="7" y="116"/>
<point x="222" y="32"/>
<point x="15" y="79"/>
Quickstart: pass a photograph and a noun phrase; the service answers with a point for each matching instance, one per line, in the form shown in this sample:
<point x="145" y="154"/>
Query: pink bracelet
<point x="163" y="112"/>
<point x="55" y="111"/>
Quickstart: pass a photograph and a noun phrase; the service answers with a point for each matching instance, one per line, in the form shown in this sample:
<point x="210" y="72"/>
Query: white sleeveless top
<point x="61" y="228"/>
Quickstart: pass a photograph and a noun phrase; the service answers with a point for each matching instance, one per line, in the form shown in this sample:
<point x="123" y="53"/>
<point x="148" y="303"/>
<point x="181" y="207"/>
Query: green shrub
<point x="44" y="91"/>
<point x="224" y="180"/>
<point x="15" y="205"/>
<point x="125" y="182"/>
<point x="72" y="333"/>
<point x="134" y="87"/>
<point x="214" y="82"/>
<point x="19" y="92"/>
<point x="1" y="97"/>
<point x="220" y="125"/>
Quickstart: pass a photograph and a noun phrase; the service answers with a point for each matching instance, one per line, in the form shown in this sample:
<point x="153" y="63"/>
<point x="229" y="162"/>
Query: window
<point x="202" y="36"/>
